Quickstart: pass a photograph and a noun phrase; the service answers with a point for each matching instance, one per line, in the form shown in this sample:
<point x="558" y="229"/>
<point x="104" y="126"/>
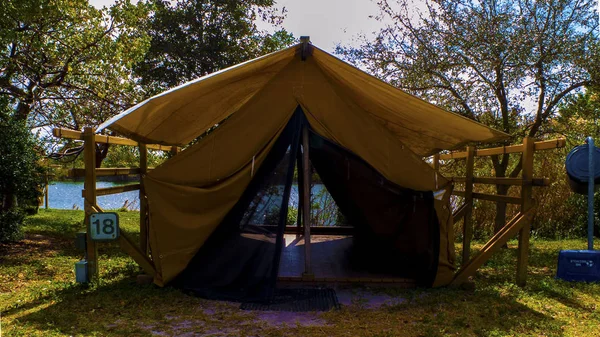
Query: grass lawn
<point x="39" y="297"/>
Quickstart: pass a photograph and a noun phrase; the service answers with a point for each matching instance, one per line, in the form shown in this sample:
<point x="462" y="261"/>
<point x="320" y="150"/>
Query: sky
<point x="327" y="22"/>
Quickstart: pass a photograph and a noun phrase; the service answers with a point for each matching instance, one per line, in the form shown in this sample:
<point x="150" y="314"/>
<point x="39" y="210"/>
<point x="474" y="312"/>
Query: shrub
<point x="10" y="225"/>
<point x="272" y="216"/>
<point x="20" y="173"/>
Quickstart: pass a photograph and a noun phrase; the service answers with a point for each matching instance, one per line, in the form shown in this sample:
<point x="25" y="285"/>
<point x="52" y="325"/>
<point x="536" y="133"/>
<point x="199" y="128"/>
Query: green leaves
<point x="505" y="63"/>
<point x="20" y="174"/>
<point x="66" y="63"/>
<point x="19" y="171"/>
<point x="192" y="38"/>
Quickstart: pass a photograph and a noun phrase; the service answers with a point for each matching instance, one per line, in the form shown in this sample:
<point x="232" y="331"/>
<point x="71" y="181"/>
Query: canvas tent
<point x="367" y="142"/>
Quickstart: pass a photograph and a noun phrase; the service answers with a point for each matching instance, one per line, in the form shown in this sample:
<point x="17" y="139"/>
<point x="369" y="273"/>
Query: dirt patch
<point x="282" y="318"/>
<point x="32" y="245"/>
<point x="366" y="299"/>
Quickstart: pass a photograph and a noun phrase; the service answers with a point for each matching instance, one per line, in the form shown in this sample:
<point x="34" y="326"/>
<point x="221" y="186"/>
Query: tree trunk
<point x="500" y="218"/>
<point x="9" y="201"/>
<point x="500" y="172"/>
<point x="101" y="153"/>
<point x="22" y="111"/>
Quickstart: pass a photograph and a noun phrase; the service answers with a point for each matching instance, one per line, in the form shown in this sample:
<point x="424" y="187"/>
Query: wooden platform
<point x="330" y="263"/>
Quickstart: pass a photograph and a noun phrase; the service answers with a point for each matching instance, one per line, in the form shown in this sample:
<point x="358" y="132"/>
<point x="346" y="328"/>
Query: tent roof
<point x="179" y="115"/>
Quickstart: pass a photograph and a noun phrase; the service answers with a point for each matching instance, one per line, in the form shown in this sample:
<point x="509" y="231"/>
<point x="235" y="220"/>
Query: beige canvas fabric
<point x="178" y="116"/>
<point x="190" y="194"/>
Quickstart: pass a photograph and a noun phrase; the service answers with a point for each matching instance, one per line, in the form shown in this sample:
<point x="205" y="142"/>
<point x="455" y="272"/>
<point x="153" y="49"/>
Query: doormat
<point x="297" y="300"/>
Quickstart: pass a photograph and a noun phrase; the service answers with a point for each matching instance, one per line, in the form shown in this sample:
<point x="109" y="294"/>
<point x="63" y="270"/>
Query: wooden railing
<point x="139" y="253"/>
<point x="520" y="224"/>
<point x="542" y="145"/>
<point x="105" y="139"/>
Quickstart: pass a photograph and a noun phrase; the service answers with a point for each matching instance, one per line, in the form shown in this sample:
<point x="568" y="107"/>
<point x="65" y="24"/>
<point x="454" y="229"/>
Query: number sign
<point x="104" y="226"/>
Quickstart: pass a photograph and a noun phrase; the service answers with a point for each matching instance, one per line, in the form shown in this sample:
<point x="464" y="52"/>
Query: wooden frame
<point x="89" y="201"/>
<point x="308" y="273"/>
<point x="538" y="146"/>
<point x="139" y="252"/>
<point x="114" y="189"/>
<point x="104" y="139"/>
<point x="106" y="171"/>
<point x="520" y="224"/>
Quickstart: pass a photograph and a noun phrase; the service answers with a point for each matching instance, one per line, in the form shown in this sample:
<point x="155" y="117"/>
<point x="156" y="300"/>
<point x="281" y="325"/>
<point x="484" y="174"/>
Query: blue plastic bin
<point x="579" y="265"/>
<point x="81" y="271"/>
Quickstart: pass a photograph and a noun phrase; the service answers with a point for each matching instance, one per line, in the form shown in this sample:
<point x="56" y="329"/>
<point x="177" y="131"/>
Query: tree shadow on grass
<point x="115" y="309"/>
<point x="483" y="312"/>
<point x="495" y="308"/>
<point x="125" y="308"/>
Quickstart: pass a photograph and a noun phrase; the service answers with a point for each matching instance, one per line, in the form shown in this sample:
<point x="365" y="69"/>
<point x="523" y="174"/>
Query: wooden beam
<point x="538" y="146"/>
<point x="132" y="250"/>
<point x="503" y="181"/>
<point x="491" y="197"/>
<point x="526" y="205"/>
<point x="308" y="273"/>
<point x="46" y="186"/>
<point x="96" y="209"/>
<point x="468" y="213"/>
<point x="305" y="40"/>
<point x="115" y="189"/>
<point x="319" y="230"/>
<point x="453" y="155"/>
<point x="143" y="200"/>
<point x="460" y="213"/>
<point x="104" y="139"/>
<point x="494" y="244"/>
<point x="436" y="162"/>
<point x="436" y="166"/>
<point x="549" y="144"/>
<point x="89" y="195"/>
<point x="107" y="171"/>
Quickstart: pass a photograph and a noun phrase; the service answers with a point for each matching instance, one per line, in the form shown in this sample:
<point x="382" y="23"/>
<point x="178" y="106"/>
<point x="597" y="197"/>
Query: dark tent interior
<point x="388" y="231"/>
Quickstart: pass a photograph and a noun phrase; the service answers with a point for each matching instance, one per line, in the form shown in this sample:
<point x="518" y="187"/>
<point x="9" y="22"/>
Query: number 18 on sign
<point x="104" y="226"/>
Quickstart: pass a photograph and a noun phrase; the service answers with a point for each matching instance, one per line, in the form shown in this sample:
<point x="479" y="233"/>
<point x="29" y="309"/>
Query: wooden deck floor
<point x="330" y="262"/>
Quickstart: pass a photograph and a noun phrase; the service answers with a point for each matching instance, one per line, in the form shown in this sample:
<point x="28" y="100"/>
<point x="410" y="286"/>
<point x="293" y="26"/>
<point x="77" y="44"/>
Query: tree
<point x="20" y="174"/>
<point x="579" y="117"/>
<point x="65" y="63"/>
<point x="192" y="38"/>
<point x="506" y="63"/>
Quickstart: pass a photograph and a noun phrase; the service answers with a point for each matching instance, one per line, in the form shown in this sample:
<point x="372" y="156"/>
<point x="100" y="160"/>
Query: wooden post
<point x="305" y="40"/>
<point x="46" y="189"/>
<point x="306" y="203"/>
<point x="436" y="162"/>
<point x="299" y="221"/>
<point x="526" y="204"/>
<point x="143" y="201"/>
<point x="89" y="154"/>
<point x="174" y="150"/>
<point x="468" y="221"/>
<point x="436" y="167"/>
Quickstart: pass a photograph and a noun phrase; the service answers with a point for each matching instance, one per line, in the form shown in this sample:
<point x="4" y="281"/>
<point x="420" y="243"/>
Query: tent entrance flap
<point x="394" y="231"/>
<point x="239" y="260"/>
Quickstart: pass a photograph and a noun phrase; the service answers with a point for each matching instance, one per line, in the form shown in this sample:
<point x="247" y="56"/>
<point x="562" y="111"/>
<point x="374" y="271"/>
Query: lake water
<point x="67" y="195"/>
